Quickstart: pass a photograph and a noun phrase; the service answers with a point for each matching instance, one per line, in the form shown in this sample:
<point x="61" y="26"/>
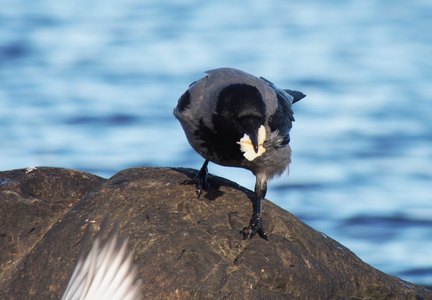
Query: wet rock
<point x="185" y="248"/>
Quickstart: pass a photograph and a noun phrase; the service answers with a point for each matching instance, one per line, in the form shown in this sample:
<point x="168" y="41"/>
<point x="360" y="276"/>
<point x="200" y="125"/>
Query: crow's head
<point x="240" y="112"/>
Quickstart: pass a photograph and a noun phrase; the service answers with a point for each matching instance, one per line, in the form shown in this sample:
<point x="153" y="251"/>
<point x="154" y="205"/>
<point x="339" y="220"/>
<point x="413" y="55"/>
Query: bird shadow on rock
<point x="215" y="183"/>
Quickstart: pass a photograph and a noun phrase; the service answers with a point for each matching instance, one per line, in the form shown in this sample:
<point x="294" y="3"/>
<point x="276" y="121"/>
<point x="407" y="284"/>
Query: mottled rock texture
<point x="185" y="248"/>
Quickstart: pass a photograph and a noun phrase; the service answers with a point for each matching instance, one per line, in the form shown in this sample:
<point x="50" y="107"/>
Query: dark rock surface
<point x="185" y="248"/>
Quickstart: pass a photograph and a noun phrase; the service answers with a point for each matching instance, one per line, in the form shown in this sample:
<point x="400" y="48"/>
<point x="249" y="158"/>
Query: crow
<point x="235" y="119"/>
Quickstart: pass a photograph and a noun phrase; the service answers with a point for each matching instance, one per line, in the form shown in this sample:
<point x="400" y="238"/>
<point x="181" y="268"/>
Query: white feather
<point x="105" y="272"/>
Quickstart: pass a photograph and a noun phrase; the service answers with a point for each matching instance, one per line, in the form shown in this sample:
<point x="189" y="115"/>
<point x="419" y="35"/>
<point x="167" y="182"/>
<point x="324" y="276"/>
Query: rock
<point x="185" y="248"/>
<point x="31" y="202"/>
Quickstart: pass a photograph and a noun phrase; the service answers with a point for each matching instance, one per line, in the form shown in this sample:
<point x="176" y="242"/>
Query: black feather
<point x="295" y="94"/>
<point x="220" y="142"/>
<point x="240" y="101"/>
<point x="282" y="119"/>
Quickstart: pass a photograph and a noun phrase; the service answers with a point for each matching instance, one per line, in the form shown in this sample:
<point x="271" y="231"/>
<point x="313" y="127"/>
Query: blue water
<point x="90" y="85"/>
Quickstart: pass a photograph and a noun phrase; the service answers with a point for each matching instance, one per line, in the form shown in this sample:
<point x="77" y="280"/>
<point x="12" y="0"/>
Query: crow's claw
<point x="256" y="226"/>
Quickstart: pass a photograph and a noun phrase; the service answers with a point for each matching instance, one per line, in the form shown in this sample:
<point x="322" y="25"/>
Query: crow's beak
<point x="254" y="139"/>
<point x="251" y="128"/>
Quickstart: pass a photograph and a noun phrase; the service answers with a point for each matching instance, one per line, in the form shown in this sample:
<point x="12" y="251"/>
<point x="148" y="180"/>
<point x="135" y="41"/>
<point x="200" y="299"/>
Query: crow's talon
<point x="256" y="226"/>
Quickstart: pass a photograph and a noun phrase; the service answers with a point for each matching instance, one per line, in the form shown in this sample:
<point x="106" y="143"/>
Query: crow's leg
<point x="200" y="179"/>
<point x="256" y="223"/>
